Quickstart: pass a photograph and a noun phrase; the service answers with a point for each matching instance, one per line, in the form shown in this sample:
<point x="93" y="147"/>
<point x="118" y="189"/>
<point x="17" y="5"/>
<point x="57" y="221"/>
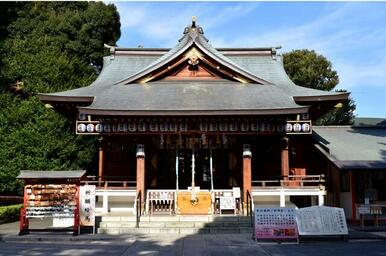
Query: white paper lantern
<point x="82" y="128"/>
<point x="99" y="128"/>
<point x="90" y="128"/>
<point x="213" y="126"/>
<point x="233" y="126"/>
<point x="132" y="127"/>
<point x="173" y="127"/>
<point x="265" y="127"/>
<point x="223" y="126"/>
<point x="153" y="127"/>
<point x="142" y="126"/>
<point x="297" y="127"/>
<point x="164" y="127"/>
<point x="183" y="127"/>
<point x="288" y="127"/>
<point x="107" y="128"/>
<point x="279" y="128"/>
<point x="305" y="127"/>
<point x="204" y="126"/>
<point x="254" y="126"/>
<point x="122" y="127"/>
<point x="244" y="126"/>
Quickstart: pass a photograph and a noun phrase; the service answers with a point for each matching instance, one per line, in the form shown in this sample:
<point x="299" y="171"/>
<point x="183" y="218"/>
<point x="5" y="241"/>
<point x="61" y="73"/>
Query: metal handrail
<point x="138" y="202"/>
<point x="250" y="206"/>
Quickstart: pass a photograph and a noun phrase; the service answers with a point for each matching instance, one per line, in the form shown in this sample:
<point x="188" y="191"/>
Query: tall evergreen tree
<point x="309" y="69"/>
<point x="47" y="47"/>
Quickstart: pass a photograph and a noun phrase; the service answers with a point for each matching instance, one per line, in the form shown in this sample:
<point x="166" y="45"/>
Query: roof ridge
<point x="193" y="35"/>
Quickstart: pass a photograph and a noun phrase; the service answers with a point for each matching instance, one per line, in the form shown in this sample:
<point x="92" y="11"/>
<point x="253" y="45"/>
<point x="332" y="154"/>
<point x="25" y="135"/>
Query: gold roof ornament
<point x="193" y="21"/>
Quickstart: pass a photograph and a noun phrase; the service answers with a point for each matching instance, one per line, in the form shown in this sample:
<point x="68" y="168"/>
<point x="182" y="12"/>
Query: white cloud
<point x="165" y="26"/>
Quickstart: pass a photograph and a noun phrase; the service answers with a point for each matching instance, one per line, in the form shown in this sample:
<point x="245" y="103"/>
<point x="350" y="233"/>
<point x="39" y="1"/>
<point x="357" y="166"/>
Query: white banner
<point x="321" y="220"/>
<point x="87" y="205"/>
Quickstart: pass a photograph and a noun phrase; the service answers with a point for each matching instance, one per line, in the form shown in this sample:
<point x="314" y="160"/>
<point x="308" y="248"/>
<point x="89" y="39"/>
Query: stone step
<point x="174" y="224"/>
<point x="175" y="230"/>
<point x="181" y="218"/>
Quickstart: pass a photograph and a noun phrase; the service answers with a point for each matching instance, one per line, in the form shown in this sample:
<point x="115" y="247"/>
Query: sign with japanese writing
<point x="87" y="205"/>
<point x="227" y="203"/>
<point x="321" y="220"/>
<point x="275" y="223"/>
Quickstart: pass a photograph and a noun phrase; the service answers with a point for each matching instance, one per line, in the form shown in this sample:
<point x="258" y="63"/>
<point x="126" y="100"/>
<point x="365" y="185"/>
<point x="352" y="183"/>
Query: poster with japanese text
<point x="275" y="223"/>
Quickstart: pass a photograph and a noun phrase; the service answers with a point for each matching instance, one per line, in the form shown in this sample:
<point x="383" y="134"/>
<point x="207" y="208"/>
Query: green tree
<point x="308" y="69"/>
<point x="47" y="47"/>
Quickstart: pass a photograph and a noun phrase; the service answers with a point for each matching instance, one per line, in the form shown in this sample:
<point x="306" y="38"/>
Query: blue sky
<point x="352" y="35"/>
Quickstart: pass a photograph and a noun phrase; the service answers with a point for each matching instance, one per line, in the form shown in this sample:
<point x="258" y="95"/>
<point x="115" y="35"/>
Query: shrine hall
<point x="196" y="129"/>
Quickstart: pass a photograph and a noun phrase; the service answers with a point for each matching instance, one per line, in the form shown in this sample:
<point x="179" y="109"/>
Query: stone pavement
<point x="9" y="231"/>
<point x="191" y="245"/>
<point x="49" y="243"/>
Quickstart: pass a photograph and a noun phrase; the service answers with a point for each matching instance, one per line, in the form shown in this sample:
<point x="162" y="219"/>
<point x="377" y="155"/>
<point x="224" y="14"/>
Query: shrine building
<point x="182" y="128"/>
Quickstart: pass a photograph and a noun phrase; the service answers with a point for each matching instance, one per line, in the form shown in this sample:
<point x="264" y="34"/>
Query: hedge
<point x="10" y="213"/>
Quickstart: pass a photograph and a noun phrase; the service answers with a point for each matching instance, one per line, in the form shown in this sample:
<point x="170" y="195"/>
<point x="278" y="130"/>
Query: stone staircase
<point x="182" y="224"/>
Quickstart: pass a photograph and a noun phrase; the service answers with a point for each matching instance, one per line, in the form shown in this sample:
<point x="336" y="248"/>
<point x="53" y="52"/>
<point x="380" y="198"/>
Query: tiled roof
<point x="353" y="147"/>
<point x="113" y="90"/>
<point x="194" y="96"/>
<point x="51" y="174"/>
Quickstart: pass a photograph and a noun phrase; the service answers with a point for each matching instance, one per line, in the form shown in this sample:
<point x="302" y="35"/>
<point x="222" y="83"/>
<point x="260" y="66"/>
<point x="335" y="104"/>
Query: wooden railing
<point x="291" y="181"/>
<point x="138" y="204"/>
<point x="160" y="201"/>
<point x="111" y="181"/>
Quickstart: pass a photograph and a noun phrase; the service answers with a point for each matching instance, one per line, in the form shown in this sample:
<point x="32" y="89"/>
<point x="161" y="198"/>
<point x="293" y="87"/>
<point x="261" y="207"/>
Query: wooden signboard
<point x="201" y="206"/>
<point x="87" y="205"/>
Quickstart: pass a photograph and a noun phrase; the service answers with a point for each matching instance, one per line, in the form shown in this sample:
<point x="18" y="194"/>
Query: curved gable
<point x="193" y="52"/>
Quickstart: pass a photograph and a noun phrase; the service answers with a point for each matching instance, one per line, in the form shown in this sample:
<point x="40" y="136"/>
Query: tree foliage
<point x="309" y="69"/>
<point x="47" y="47"/>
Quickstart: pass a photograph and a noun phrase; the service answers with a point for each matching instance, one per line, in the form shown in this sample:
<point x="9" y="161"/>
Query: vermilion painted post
<point x="141" y="171"/>
<point x="247" y="174"/>
<point x="24" y="223"/>
<point x="101" y="161"/>
<point x="285" y="159"/>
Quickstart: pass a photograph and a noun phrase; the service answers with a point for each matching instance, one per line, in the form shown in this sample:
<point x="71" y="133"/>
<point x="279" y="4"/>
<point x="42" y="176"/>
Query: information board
<point x="87" y="205"/>
<point x="275" y="223"/>
<point x="321" y="220"/>
<point x="227" y="203"/>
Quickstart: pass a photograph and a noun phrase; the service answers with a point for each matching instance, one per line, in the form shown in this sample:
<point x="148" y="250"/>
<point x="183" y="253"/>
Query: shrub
<point x="10" y="213"/>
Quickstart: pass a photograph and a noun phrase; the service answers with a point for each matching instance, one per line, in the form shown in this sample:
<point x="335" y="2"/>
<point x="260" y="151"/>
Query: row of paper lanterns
<point x="183" y="127"/>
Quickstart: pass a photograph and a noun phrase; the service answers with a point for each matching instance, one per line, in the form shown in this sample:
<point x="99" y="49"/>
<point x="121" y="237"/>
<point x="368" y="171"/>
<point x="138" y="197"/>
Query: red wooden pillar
<point x="247" y="171"/>
<point x="141" y="170"/>
<point x="24" y="222"/>
<point x="101" y="159"/>
<point x="284" y="159"/>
